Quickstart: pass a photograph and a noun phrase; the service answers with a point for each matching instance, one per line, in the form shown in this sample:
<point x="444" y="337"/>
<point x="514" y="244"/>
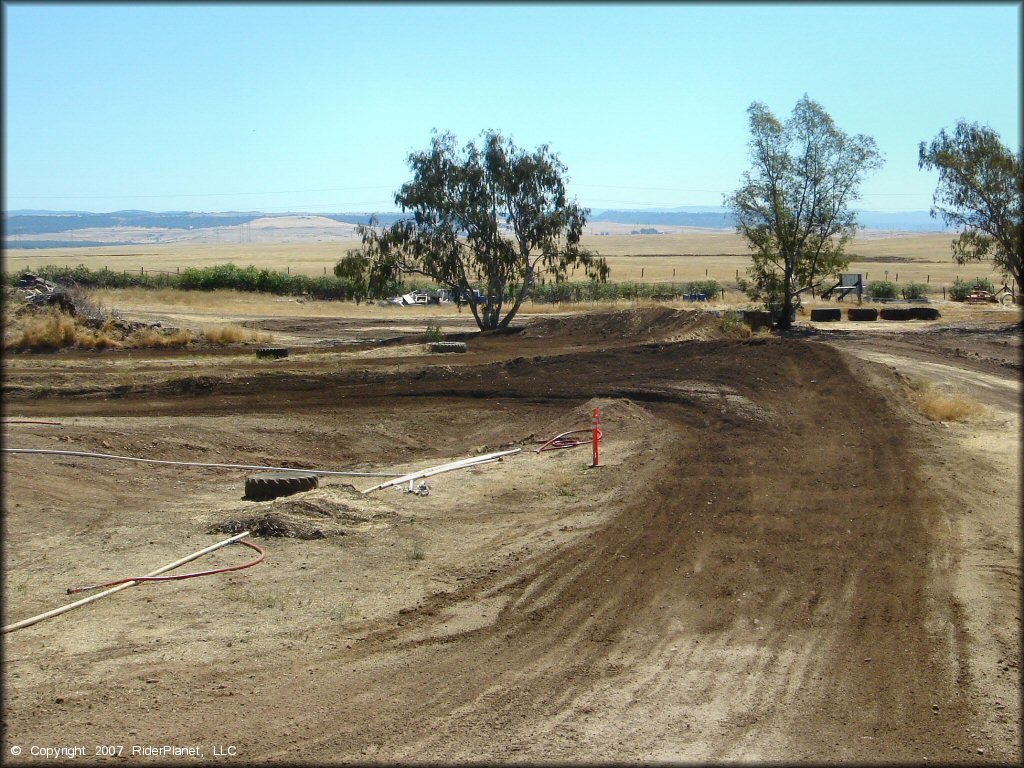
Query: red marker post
<point x="597" y="440"/>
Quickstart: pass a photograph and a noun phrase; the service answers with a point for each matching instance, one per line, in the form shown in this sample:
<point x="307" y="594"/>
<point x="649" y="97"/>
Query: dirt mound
<point x="640" y="324"/>
<point x="270" y="526"/>
<point x="620" y="417"/>
<point x="306" y="518"/>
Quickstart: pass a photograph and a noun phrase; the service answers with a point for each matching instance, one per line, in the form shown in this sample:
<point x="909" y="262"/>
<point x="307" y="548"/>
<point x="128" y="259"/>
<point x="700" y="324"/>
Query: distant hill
<point x="903" y="221"/>
<point x="707" y="219"/>
<point x="26" y="229"/>
<point x="17" y="223"/>
<point x="384" y="219"/>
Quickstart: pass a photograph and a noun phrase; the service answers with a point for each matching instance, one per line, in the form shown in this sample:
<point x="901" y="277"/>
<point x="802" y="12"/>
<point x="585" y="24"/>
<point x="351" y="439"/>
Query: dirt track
<point x="764" y="570"/>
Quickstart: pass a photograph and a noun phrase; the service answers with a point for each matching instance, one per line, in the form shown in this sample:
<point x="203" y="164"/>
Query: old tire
<point x="826" y="315"/>
<point x="862" y="313"/>
<point x="272" y="352"/>
<point x="270" y="485"/>
<point x="896" y="313"/>
<point x="447" y="346"/>
<point x="924" y="313"/>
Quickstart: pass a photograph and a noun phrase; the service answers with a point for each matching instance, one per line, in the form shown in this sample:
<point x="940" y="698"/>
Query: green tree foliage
<point x="960" y="289"/>
<point x="915" y="291"/>
<point x="793" y="204"/>
<point x="352" y="270"/>
<point x="494" y="215"/>
<point x="882" y="289"/>
<point x="980" y="191"/>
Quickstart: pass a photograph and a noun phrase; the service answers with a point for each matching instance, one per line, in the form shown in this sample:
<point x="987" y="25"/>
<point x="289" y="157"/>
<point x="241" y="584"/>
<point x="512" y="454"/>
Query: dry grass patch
<point x="49" y="330"/>
<point x="154" y="339"/>
<point x="52" y="330"/>
<point x="233" y="334"/>
<point x="939" y="404"/>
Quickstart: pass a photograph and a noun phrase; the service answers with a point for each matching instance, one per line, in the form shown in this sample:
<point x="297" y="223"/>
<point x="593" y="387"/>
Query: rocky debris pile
<point x="44" y="316"/>
<point x="37" y="292"/>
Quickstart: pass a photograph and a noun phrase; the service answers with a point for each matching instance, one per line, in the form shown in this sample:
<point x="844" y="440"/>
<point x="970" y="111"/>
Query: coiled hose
<point x="564" y="441"/>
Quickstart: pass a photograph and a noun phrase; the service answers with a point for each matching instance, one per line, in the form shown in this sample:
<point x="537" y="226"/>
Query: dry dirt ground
<point x="779" y="560"/>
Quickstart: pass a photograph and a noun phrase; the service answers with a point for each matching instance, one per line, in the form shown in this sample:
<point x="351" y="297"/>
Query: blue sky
<point x="316" y="107"/>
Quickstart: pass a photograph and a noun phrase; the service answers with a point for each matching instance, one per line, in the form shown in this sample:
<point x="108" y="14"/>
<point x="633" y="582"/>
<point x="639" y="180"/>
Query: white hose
<point x="89" y="455"/>
<point x="119" y="587"/>
<point x="461" y="464"/>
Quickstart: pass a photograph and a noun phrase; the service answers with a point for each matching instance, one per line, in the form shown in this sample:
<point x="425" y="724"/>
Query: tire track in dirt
<point x="838" y="663"/>
<point x="765" y="589"/>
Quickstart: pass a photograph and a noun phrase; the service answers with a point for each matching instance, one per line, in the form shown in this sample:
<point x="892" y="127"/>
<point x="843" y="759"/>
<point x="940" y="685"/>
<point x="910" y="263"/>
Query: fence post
<point x="723" y="294"/>
<point x="943" y="293"/>
<point x="641" y="271"/>
<point x="928" y="279"/>
<point x="897" y="277"/>
<point x="177" y="270"/>
<point x="142" y="270"/>
<point x="289" y="269"/>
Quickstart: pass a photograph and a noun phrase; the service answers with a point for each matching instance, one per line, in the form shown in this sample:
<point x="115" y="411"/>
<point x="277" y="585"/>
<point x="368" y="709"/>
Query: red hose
<point x="257" y="547"/>
<point x="561" y="441"/>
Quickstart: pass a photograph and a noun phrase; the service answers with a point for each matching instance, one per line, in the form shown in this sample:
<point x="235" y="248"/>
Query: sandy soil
<point x="780" y="560"/>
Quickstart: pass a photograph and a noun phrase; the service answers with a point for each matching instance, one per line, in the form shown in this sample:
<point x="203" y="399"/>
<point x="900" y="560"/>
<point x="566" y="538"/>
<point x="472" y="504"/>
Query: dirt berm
<point x="758" y="573"/>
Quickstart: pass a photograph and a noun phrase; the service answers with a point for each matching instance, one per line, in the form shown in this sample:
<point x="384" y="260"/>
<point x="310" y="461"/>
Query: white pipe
<point x="119" y="587"/>
<point x="87" y="454"/>
<point x="461" y="464"/>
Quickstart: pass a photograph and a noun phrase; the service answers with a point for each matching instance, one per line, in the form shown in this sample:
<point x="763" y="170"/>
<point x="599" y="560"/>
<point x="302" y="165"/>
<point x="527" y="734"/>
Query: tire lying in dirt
<point x="862" y="313"/>
<point x="270" y="485"/>
<point x="896" y="313"/>
<point x="272" y="352"/>
<point x="924" y="313"/>
<point x="826" y="315"/>
<point x="447" y="346"/>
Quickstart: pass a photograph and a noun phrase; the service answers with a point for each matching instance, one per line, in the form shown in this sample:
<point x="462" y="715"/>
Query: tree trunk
<point x="787" y="300"/>
<point x="520" y="297"/>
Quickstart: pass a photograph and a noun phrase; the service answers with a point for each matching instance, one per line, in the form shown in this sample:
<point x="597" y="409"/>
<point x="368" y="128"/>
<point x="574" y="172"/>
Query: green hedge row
<point x="221" y="276"/>
<point x="591" y="290"/>
<point x="231" y="276"/>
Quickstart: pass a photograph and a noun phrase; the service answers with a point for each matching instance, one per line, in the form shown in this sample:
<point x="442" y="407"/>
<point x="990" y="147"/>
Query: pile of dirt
<point x="270" y="526"/>
<point x="640" y="324"/>
<point x="297" y="518"/>
<point x="618" y="417"/>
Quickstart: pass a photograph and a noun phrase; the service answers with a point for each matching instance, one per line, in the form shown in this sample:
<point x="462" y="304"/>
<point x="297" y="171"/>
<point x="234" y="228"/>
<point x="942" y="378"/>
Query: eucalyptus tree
<point x="980" y="192"/>
<point x="493" y="215"/>
<point x="793" y="206"/>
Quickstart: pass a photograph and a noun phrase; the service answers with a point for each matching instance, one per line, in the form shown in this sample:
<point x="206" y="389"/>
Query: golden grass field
<point x="676" y="257"/>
